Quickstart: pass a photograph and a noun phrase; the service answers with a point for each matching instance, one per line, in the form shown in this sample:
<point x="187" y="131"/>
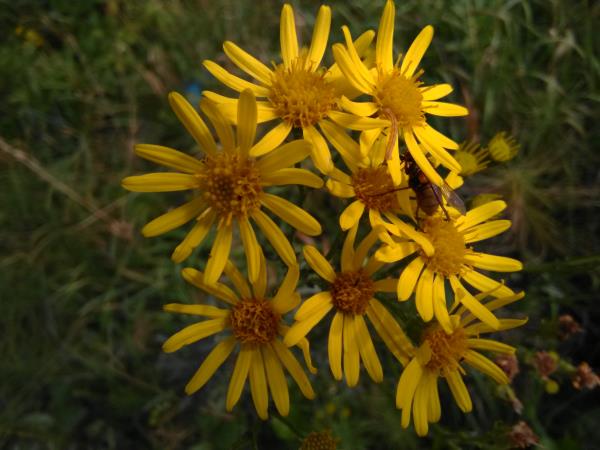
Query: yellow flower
<point x="472" y="158"/>
<point x="441" y="354"/>
<point x="229" y="187"/>
<point x="503" y="147"/>
<point x="298" y="91"/>
<point x="254" y="321"/>
<point x="351" y="294"/>
<point x="369" y="184"/>
<point x="442" y="253"/>
<point x="397" y="93"/>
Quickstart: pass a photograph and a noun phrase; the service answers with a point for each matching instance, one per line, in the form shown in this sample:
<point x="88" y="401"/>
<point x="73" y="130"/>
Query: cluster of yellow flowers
<point x="373" y="112"/>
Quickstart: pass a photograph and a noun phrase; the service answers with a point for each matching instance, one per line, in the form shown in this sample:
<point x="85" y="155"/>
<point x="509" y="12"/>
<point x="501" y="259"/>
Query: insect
<point x="428" y="195"/>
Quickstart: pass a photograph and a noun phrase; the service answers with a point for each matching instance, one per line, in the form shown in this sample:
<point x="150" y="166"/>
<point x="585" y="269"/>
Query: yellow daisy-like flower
<point x="351" y="294"/>
<point x="441" y="354"/>
<point x="369" y="182"/>
<point x="397" y="93"/>
<point x="472" y="158"/>
<point x="442" y="253"/>
<point x="503" y="147"/>
<point x="255" y="323"/>
<point x="298" y="91"/>
<point x="229" y="187"/>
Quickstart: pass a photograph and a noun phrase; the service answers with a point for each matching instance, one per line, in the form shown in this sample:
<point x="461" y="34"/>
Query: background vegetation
<point x="81" y="291"/>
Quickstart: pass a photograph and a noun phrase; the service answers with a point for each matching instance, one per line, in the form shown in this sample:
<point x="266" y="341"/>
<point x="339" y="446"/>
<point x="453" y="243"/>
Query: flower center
<point x="374" y="187"/>
<point x="230" y="184"/>
<point x="449" y="245"/>
<point x="253" y="321"/>
<point x="446" y="349"/>
<point x="319" y="440"/>
<point x="351" y="291"/>
<point x="300" y="96"/>
<point x="401" y="96"/>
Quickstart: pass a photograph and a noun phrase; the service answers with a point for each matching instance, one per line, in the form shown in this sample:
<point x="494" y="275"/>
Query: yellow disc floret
<point x="321" y="440"/>
<point x="254" y="321"/>
<point x="300" y="96"/>
<point x="401" y="96"/>
<point x="352" y="291"/>
<point x="449" y="245"/>
<point x="374" y="187"/>
<point x="230" y="184"/>
<point x="447" y="350"/>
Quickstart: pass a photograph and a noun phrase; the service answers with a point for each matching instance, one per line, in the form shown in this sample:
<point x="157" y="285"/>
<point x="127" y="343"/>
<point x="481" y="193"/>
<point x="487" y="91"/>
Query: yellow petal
<point x="367" y="350"/>
<point x="492" y="262"/>
<point x="282" y="177"/>
<point x="318" y="263"/>
<point x="192" y="122"/>
<point x="417" y="153"/>
<point x="218" y="254"/>
<point x="351" y="356"/>
<point x="276" y="237"/>
<point x="347" y="67"/>
<point x="246" y="122"/>
<point x="285" y="156"/>
<point x="174" y="218"/>
<point x="347" y="258"/>
<point x="480" y="214"/>
<point x="471" y="303"/>
<point x="193" y="333"/>
<point x="505" y="324"/>
<point x="390" y="331"/>
<point x="259" y="286"/>
<point x="292" y="214"/>
<point x="219" y="290"/>
<point x="238" y="280"/>
<point x="421" y="406"/>
<point x="319" y="38"/>
<point x="459" y="390"/>
<point x="293" y="367"/>
<point x="490" y="345"/>
<point x="409" y="380"/>
<point x="313" y="314"/>
<point x="287" y="35"/>
<point x="385" y="38"/>
<point x="416" y="51"/>
<point x="393" y="253"/>
<point x="444" y="109"/>
<point x="321" y="155"/>
<point x="437" y="151"/>
<point x="238" y="378"/>
<point x="408" y="278"/>
<point x="408" y="231"/>
<point x="355" y="122"/>
<point x="438" y="138"/>
<point x="386" y="285"/>
<point x="484" y="284"/>
<point x="277" y="382"/>
<point x="196" y="310"/>
<point x="486" y="366"/>
<point x="439" y="304"/>
<point x="334" y="345"/>
<point x="195" y="237"/>
<point x="169" y="157"/>
<point x="160" y="182"/>
<point x="233" y="82"/>
<point x="285" y="299"/>
<point x="343" y="143"/>
<point x="258" y="384"/>
<point x="424" y="295"/>
<point x="436" y="91"/>
<point x="434" y="408"/>
<point x="486" y="230"/>
<point x="248" y="63"/>
<point x="340" y="189"/>
<point x="272" y="139"/>
<point x="351" y="214"/>
<point x="252" y="248"/>
<point x="363" y="248"/>
<point x="357" y="64"/>
<point x="209" y="366"/>
<point x="221" y="124"/>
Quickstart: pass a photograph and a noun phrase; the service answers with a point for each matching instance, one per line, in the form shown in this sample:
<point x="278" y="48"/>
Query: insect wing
<point x="452" y="198"/>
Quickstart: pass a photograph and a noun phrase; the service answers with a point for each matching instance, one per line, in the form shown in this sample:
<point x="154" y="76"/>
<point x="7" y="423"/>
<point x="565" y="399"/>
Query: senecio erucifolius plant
<point x="405" y="240"/>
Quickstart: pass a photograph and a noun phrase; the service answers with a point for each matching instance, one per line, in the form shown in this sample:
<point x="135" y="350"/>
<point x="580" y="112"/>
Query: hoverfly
<point x="429" y="196"/>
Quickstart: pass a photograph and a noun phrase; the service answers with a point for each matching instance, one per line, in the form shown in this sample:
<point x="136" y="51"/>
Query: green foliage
<point x="82" y="291"/>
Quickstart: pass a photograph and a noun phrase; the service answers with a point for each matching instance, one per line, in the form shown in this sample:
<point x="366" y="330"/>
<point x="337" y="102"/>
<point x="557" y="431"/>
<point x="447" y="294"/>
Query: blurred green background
<point x="81" y="291"/>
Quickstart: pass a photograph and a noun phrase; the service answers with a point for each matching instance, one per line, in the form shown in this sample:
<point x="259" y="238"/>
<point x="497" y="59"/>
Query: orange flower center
<point x="254" y="321"/>
<point x="401" y="96"/>
<point x="449" y="245"/>
<point x="352" y="291"/>
<point x="321" y="440"/>
<point x="230" y="184"/>
<point x="374" y="187"/>
<point x="300" y="96"/>
<point x="447" y="350"/>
